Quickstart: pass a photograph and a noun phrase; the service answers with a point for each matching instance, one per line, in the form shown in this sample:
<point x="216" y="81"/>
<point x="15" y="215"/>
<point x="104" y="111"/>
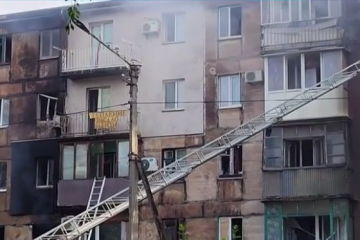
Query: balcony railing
<point x="303" y="34"/>
<point x="82" y="59"/>
<point x="86" y="123"/>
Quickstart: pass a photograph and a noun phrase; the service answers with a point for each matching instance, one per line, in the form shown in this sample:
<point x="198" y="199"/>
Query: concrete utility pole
<point x="134" y="153"/>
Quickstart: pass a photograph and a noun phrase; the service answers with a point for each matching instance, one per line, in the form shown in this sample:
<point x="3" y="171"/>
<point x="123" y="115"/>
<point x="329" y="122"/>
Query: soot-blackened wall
<point x="25" y="198"/>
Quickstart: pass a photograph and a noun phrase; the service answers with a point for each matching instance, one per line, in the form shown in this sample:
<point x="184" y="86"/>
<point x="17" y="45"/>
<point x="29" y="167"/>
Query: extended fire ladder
<point x="94" y="199"/>
<point x="120" y="202"/>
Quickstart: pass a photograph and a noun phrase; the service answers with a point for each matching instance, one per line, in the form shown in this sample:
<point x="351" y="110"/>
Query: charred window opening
<point x="44" y="172"/>
<point x="304" y="152"/>
<point x="47" y="107"/>
<point x="171" y="229"/>
<point x="50" y="44"/>
<point x="230" y="162"/>
<point x="5" y="49"/>
<point x="3" y="173"/>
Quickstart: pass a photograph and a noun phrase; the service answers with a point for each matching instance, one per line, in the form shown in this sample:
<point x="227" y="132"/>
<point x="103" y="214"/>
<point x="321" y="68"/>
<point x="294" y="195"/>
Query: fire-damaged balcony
<point x="98" y="61"/>
<point x="319" y="33"/>
<point x="81" y="124"/>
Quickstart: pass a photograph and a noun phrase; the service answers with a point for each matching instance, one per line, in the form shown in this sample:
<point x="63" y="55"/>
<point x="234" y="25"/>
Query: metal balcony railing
<point x="86" y="123"/>
<point x="302" y="34"/>
<point x="92" y="58"/>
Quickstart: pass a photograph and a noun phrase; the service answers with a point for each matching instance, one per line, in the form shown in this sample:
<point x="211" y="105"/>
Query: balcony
<point x="309" y="183"/>
<point x="99" y="61"/>
<point x="81" y="124"/>
<point x="327" y="33"/>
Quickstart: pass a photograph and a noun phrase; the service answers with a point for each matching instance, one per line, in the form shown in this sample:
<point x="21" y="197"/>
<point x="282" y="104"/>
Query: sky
<point x="14" y="6"/>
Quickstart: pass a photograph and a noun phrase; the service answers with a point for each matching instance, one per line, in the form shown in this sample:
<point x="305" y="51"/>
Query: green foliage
<point x="73" y="16"/>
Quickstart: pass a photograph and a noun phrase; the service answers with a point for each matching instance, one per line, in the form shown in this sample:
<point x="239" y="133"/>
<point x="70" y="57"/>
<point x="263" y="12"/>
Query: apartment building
<point x="307" y="168"/>
<point x="29" y="74"/>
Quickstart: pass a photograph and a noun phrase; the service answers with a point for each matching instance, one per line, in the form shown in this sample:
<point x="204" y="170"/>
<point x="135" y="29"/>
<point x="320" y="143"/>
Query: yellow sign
<point x="106" y="120"/>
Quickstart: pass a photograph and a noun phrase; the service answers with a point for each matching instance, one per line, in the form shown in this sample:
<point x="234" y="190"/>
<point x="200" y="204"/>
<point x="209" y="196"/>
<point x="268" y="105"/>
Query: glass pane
<point x="180" y="93"/>
<point x="224" y="93"/>
<point x="224" y="22"/>
<point x="235" y="90"/>
<point x="275" y="73"/>
<point x="235" y="21"/>
<point x="312" y="69"/>
<point x="305" y="10"/>
<point x="294" y="72"/>
<point x="108" y="33"/>
<point x="105" y="99"/>
<point x="3" y="172"/>
<point x="180" y="27"/>
<point x="170" y="30"/>
<point x="337" y="138"/>
<point x="331" y="63"/>
<point x="265" y="12"/>
<point x="338" y="149"/>
<point x="96" y="156"/>
<point x="5" y="112"/>
<point x="81" y="161"/>
<point x="273" y="162"/>
<point x="180" y="153"/>
<point x="45" y="44"/>
<point x="123" y="159"/>
<point x="68" y="163"/>
<point x="294" y="11"/>
<point x="319" y="8"/>
<point x="55" y="42"/>
<point x="170" y="98"/>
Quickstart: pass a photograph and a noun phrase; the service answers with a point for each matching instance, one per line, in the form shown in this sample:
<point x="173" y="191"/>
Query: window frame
<point x="285" y="73"/>
<point x="175" y="222"/>
<point x="229" y="22"/>
<point x="299" y="8"/>
<point x="100" y="93"/>
<point x="175" y="152"/>
<point x="2" y="112"/>
<point x="165" y="25"/>
<point x="229" y="230"/>
<point x="51" y="44"/>
<point x="178" y="105"/>
<point x="228" y="101"/>
<point x="49" y="98"/>
<point x="101" y="25"/>
<point x="4" y="47"/>
<point x="232" y="173"/>
<point x="49" y="169"/>
<point x="6" y="176"/>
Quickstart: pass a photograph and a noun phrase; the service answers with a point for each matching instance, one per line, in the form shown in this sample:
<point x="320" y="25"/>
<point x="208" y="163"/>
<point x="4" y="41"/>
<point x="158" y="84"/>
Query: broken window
<point x="314" y="227"/>
<point x="44" y="172"/>
<point x="304" y="152"/>
<point x="47" y="107"/>
<point x="230" y="228"/>
<point x="49" y="43"/>
<point x="5" y="49"/>
<point x="4" y="112"/>
<point x="171" y="229"/>
<point x="3" y="173"/>
<point x="230" y="162"/>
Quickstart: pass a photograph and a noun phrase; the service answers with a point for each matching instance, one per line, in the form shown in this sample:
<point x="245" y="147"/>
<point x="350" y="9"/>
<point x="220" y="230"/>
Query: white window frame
<point x="2" y="113"/>
<point x="228" y="101"/>
<point x="173" y="151"/>
<point x="229" y="232"/>
<point x="229" y="22"/>
<point x="49" y="163"/>
<point x="101" y="25"/>
<point x="49" y="98"/>
<point x="178" y="104"/>
<point x="176" y="16"/>
<point x="271" y="7"/>
<point x="100" y="91"/>
<point x="285" y="74"/>
<point x="51" y="44"/>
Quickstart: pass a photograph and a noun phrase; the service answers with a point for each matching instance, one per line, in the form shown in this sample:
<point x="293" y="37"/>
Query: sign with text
<point x="107" y="120"/>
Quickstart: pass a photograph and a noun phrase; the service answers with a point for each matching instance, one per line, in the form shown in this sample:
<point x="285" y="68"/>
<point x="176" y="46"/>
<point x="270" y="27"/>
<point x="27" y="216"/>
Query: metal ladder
<point x="119" y="202"/>
<point x="94" y="199"/>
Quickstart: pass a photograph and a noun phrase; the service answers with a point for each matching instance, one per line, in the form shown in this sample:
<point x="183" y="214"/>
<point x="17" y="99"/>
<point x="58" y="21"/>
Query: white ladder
<point x="181" y="168"/>
<point x="94" y="199"/>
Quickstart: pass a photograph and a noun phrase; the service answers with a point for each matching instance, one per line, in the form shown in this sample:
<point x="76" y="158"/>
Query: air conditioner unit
<point x="149" y="164"/>
<point x="150" y="26"/>
<point x="254" y="76"/>
<point x="69" y="226"/>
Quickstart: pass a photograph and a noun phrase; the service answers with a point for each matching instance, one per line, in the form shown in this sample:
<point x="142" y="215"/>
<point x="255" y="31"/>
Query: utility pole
<point x="134" y="153"/>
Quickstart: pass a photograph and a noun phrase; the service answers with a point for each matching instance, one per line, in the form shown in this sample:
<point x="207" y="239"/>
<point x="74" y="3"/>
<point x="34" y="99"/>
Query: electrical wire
<point x="182" y="102"/>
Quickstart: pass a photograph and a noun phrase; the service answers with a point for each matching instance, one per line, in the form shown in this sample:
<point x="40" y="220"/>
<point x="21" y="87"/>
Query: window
<point x="99" y="99"/>
<point x="229" y="22"/>
<point x="173" y="92"/>
<point x="3" y="173"/>
<point x="4" y="112"/>
<point x="280" y="11"/>
<point x="229" y="91"/>
<point x="174" y="25"/>
<point x="5" y="49"/>
<point x="171" y="155"/>
<point x="44" y="172"/>
<point x="230" y="162"/>
<point x="96" y="159"/>
<point x="300" y="71"/>
<point x="47" y="107"/>
<point x="104" y="31"/>
<point x="171" y="229"/>
<point x="304" y="152"/>
<point x="230" y="228"/>
<point x="49" y="43"/>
